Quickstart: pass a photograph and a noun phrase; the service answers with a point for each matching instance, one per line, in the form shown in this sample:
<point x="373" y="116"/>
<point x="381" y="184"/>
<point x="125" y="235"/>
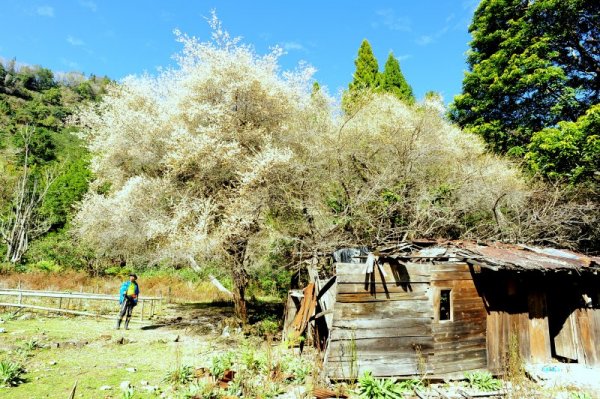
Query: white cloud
<point x="93" y="7"/>
<point x="404" y="57"/>
<point x="390" y="20"/>
<point x="74" y="41"/>
<point x="293" y="46"/>
<point x="45" y="11"/>
<point x="424" y="40"/>
<point x="69" y="63"/>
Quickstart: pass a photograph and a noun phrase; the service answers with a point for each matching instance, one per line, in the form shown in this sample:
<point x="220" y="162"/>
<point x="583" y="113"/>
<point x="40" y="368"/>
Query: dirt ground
<point x="60" y="351"/>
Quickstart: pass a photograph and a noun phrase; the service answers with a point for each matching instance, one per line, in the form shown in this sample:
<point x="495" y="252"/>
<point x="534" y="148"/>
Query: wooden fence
<point x="66" y="300"/>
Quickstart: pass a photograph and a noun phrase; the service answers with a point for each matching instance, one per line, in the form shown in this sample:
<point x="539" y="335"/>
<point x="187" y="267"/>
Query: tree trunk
<point x="24" y="222"/>
<point x="237" y="251"/>
<point x="240" y="282"/>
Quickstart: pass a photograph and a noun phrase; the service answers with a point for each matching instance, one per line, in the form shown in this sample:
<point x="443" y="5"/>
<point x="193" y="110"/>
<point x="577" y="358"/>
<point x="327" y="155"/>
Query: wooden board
<point x="539" y="329"/>
<point x="565" y="342"/>
<point x="589" y="329"/>
<point x="392" y="274"/>
<point x="368" y="297"/>
<point x="326" y="299"/>
<point x="401" y="328"/>
<point x="381" y="288"/>
<point x="380" y="348"/>
<point x="292" y="306"/>
<point x="382" y="310"/>
<point x="379" y="367"/>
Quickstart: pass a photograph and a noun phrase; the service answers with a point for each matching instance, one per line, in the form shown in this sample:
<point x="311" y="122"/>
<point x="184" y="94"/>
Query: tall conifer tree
<point x="366" y="75"/>
<point x="392" y="80"/>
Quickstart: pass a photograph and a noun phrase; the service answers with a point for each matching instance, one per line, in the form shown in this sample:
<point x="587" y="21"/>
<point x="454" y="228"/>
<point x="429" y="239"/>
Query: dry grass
<point x="173" y="288"/>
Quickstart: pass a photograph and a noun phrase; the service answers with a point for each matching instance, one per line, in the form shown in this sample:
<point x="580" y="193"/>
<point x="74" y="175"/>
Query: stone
<point x="52" y="363"/>
<point x="144" y="383"/>
<point x="105" y="388"/>
<point x="131" y="369"/>
<point x="2" y="330"/>
<point x="125" y="385"/>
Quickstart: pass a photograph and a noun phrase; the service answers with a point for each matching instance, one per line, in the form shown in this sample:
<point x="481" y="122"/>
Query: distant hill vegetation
<point x="42" y="163"/>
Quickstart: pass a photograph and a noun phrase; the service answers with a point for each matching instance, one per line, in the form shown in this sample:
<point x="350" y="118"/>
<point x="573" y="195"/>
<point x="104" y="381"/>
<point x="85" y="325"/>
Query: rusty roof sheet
<point x="523" y="257"/>
<point x="497" y="256"/>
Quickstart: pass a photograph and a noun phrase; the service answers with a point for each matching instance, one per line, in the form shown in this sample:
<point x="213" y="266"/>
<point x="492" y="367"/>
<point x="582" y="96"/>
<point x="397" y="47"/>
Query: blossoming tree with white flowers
<point x="189" y="162"/>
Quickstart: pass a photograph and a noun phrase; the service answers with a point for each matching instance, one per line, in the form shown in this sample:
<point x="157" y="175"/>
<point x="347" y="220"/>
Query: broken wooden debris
<point x="307" y="309"/>
<point x="323" y="393"/>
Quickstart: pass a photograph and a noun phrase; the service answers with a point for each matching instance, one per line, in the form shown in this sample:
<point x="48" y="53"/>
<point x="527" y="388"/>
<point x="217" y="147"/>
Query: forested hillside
<point x="43" y="165"/>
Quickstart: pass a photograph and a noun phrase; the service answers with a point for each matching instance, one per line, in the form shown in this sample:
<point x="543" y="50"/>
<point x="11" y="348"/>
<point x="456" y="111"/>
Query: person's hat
<point x="133" y="275"/>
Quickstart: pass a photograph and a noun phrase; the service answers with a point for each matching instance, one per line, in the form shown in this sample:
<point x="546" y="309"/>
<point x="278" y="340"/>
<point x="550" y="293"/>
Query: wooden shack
<point x="440" y="309"/>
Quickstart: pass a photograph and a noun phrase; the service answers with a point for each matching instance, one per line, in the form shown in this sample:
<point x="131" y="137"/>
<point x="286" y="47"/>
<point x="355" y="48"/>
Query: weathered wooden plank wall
<point x="381" y="321"/>
<point x="388" y="322"/>
<point x="459" y="343"/>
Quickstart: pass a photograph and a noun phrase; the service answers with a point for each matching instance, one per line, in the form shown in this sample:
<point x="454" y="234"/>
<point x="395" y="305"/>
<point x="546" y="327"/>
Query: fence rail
<point x="60" y="295"/>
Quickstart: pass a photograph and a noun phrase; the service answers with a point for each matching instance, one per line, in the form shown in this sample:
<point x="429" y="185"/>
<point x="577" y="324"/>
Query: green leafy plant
<point x="128" y="393"/>
<point x="370" y="387"/>
<point x="299" y="368"/>
<point x="580" y="395"/>
<point x="252" y="360"/>
<point x="181" y="375"/>
<point x="483" y="381"/>
<point x="267" y="327"/>
<point x="31" y="345"/>
<point x="202" y="390"/>
<point x="221" y="363"/>
<point x="11" y="374"/>
<point x="408" y="386"/>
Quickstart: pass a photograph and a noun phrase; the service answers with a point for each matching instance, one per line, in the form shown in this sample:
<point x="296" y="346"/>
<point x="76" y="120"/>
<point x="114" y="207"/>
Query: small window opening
<point x="445" y="305"/>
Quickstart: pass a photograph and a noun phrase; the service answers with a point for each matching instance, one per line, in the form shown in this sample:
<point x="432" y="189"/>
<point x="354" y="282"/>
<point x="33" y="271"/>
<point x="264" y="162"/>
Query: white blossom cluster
<point x="212" y="152"/>
<point x="184" y="160"/>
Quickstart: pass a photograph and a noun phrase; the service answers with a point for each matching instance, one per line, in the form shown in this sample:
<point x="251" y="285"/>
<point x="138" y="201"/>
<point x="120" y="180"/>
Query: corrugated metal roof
<point x="515" y="257"/>
<point x="497" y="256"/>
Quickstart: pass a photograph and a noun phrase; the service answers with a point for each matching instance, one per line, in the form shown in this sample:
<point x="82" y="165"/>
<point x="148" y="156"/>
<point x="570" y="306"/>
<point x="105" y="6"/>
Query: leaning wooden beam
<point x="219" y="286"/>
<point x="55" y="310"/>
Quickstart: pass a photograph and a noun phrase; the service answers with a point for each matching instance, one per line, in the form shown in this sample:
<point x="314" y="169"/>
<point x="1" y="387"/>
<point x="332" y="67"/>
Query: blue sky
<point x="118" y="38"/>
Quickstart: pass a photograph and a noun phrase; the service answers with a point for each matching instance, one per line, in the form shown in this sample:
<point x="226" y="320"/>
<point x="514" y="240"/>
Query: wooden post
<point x="20" y="300"/>
<point x="151" y="308"/>
<point x="142" y="311"/>
<point x="60" y="303"/>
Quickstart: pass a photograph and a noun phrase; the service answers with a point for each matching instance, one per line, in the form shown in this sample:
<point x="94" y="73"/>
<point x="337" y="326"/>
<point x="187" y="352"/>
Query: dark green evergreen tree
<point x="392" y="80"/>
<point x="532" y="64"/>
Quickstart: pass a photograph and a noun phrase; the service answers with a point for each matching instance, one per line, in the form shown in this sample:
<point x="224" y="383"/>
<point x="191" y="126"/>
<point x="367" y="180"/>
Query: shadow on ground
<point x="213" y="317"/>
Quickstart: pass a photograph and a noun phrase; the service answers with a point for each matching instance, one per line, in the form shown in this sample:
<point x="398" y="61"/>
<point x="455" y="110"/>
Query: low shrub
<point x="370" y="387"/>
<point x="181" y="375"/>
<point x="483" y="381"/>
<point x="11" y="374"/>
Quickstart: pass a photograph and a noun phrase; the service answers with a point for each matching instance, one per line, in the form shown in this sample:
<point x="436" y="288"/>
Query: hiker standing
<point x="128" y="297"/>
